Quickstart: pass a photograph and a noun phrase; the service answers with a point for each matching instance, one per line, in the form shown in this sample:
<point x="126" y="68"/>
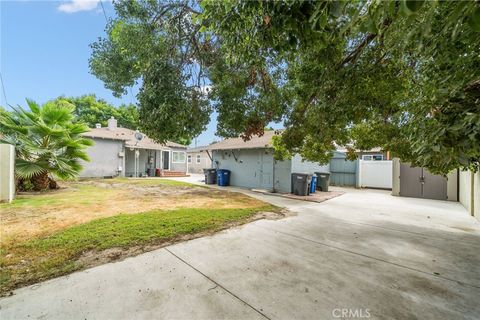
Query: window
<point x="372" y="157"/>
<point x="198" y="158"/>
<point x="189" y="158"/>
<point x="178" y="157"/>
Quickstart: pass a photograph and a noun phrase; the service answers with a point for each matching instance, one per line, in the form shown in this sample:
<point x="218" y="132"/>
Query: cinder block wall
<point x="469" y="193"/>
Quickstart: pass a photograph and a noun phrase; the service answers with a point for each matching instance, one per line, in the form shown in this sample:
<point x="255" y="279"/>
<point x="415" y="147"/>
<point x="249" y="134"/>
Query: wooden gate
<point x="420" y="183"/>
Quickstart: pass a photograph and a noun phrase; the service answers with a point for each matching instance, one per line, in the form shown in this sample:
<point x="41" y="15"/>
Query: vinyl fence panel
<point x="375" y="174"/>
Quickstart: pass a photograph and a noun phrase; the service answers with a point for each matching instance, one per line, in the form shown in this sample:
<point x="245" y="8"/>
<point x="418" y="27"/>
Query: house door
<point x="420" y="183"/>
<point x="265" y="170"/>
<point x="166" y="160"/>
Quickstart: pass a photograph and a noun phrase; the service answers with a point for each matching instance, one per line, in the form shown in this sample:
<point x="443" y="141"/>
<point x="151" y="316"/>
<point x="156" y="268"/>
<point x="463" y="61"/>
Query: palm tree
<point x="47" y="143"/>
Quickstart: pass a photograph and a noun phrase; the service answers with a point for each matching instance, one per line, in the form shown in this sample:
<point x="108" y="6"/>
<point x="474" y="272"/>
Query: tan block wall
<point x="7" y="175"/>
<point x="469" y="195"/>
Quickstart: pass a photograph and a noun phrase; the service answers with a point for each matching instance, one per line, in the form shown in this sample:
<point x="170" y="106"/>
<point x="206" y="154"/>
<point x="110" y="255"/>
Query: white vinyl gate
<point x="375" y="174"/>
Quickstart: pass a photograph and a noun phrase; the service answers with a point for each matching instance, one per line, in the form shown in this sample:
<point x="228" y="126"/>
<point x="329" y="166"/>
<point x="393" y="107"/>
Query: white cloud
<point x="78" y="5"/>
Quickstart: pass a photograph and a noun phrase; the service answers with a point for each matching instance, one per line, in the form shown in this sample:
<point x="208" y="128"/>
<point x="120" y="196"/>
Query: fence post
<point x="7" y="174"/>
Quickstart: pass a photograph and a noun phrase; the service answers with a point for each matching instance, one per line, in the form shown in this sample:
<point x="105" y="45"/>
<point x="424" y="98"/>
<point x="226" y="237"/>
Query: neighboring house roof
<point x="197" y="149"/>
<point x="256" y="142"/>
<point x="128" y="136"/>
<point x="259" y="142"/>
<point x="344" y="149"/>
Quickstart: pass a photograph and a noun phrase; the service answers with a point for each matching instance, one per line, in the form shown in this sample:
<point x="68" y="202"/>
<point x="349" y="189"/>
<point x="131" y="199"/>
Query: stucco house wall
<point x="244" y="170"/>
<point x="178" y="166"/>
<point x="254" y="168"/>
<point x="282" y="177"/>
<point x="105" y="159"/>
<point x="204" y="161"/>
<point x="300" y="166"/>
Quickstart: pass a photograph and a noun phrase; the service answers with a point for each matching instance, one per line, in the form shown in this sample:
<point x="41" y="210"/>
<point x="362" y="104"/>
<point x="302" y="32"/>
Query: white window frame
<point x="371" y="157"/>
<point x="179" y="152"/>
<point x="198" y="158"/>
<point x="189" y="158"/>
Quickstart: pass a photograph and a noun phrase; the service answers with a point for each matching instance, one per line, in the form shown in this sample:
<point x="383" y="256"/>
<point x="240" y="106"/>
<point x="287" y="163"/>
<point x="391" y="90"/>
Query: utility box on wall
<point x="7" y="172"/>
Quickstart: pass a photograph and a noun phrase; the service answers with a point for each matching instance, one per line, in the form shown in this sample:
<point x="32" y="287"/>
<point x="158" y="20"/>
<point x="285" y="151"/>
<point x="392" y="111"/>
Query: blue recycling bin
<point x="313" y="184"/>
<point x="223" y="177"/>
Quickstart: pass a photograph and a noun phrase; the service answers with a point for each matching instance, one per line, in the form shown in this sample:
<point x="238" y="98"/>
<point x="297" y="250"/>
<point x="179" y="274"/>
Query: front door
<point x="166" y="160"/>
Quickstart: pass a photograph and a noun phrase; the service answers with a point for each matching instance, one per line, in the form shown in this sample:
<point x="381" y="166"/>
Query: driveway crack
<point x="218" y="284"/>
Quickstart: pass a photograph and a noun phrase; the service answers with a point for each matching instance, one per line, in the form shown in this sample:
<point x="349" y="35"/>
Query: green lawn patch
<point x="42" y="258"/>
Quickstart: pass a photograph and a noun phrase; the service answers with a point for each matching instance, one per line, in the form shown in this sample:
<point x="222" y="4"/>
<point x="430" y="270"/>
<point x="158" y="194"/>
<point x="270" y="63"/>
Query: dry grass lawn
<point x="79" y="202"/>
<point x="44" y="235"/>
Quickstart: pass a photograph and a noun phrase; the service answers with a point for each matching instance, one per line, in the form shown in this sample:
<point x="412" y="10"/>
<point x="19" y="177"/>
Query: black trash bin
<point x="151" y="172"/>
<point x="323" y="180"/>
<point x="210" y="176"/>
<point x="300" y="183"/>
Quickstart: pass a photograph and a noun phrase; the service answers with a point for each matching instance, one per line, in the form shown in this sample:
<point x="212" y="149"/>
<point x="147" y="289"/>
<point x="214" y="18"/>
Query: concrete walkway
<point x="365" y="254"/>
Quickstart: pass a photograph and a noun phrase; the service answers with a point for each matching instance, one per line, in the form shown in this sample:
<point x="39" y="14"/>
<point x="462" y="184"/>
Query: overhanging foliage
<point x="402" y="75"/>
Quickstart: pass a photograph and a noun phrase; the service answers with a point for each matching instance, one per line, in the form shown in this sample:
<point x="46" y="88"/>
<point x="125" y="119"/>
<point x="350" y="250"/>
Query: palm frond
<point x="45" y="139"/>
<point x="28" y="169"/>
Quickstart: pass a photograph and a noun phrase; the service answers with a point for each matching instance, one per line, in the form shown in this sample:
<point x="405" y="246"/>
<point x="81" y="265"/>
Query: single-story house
<point x="252" y="164"/>
<point x="128" y="153"/>
<point x="198" y="159"/>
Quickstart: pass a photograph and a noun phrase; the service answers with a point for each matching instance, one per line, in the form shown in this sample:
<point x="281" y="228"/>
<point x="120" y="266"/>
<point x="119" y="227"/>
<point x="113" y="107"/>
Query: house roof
<point x="128" y="136"/>
<point x="256" y="142"/>
<point x="198" y="149"/>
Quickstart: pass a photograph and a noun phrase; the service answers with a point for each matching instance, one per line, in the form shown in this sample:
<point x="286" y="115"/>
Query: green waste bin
<point x="323" y="180"/>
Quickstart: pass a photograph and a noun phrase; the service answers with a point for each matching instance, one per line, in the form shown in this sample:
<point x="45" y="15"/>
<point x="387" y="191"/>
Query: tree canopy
<point x="91" y="110"/>
<point x="401" y="75"/>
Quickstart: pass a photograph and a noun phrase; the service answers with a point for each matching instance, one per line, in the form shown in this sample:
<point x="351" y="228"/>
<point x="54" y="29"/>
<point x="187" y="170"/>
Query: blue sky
<point x="45" y="51"/>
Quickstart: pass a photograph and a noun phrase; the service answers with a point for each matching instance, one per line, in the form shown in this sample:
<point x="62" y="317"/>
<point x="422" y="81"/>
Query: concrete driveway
<point x="364" y="254"/>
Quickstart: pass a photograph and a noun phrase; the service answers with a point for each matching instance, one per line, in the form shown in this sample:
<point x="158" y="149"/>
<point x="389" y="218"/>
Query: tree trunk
<point x="40" y="181"/>
<point x="52" y="184"/>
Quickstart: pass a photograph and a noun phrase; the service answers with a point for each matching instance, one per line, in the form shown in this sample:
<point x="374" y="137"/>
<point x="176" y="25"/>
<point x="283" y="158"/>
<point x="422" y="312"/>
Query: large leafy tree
<point x="403" y="75"/>
<point x="47" y="142"/>
<point x="92" y="110"/>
